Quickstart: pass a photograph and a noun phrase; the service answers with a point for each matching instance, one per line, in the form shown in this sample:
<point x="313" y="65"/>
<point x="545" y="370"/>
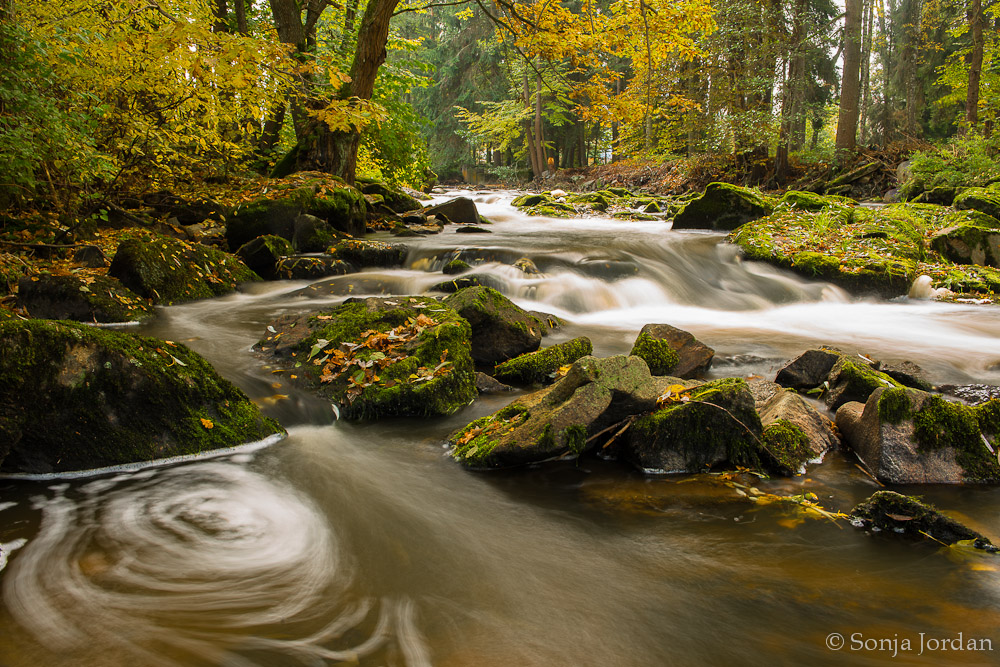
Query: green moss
<point x="657" y="353"/>
<point x="551" y="210"/>
<point x="168" y="270"/>
<point x="718" y="417"/>
<point x="532" y="200"/>
<point x="107" y="398"/>
<point x="473" y="444"/>
<point x="941" y="423"/>
<point x="724" y="206"/>
<point x="816" y="264"/>
<point x="455" y="266"/>
<point x="894" y="405"/>
<point x="540" y="366"/>
<point x="979" y="199"/>
<point x="787" y="445"/>
<point x="575" y="438"/>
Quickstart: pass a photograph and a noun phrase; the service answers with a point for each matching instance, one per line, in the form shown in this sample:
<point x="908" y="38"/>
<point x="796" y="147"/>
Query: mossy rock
<point x="658" y="354"/>
<point x="75" y="397"/>
<point x="723" y="207"/>
<point x="455" y="266"/>
<point x="532" y="200"/>
<point x="541" y="366"/>
<point x="380" y="357"/>
<point x="810" y="201"/>
<point x="709" y="425"/>
<point x="594" y="200"/>
<point x="84" y="299"/>
<point x="562" y="420"/>
<point x="369" y="254"/>
<point x="983" y="200"/>
<point x="341" y="207"/>
<point x="551" y="210"/>
<point x="394" y="198"/>
<point x="786" y="447"/>
<point x="263" y="253"/>
<point x="634" y="215"/>
<point x="167" y="270"/>
<point x="854" y="380"/>
<point x="460" y="210"/>
<point x="501" y="330"/>
<point x="867" y="251"/>
<point x="907" y="436"/>
<point x="971" y="237"/>
<point x="309" y="268"/>
<point x="894" y="514"/>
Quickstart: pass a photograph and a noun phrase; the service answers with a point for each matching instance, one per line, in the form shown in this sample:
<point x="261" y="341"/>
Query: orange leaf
<point x="207" y="423"/>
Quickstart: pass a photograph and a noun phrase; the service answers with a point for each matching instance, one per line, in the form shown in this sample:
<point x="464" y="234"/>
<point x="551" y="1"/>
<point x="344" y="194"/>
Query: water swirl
<point x="203" y="564"/>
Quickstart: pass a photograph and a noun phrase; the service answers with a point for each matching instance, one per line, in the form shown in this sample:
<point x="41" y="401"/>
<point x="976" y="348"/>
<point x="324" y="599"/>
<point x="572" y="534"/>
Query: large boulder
<point x="971" y="237"/>
<point x="460" y="210"/>
<point x="723" y="207"/>
<point x="894" y="514"/>
<point x="540" y="367"/>
<point x="74" y="397"/>
<point x="82" y="298"/>
<point x="985" y="200"/>
<point x="168" y="270"/>
<point x="559" y="420"/>
<point x="380" y="357"/>
<point x="500" y="329"/>
<point x="707" y="425"/>
<point x="907" y="436"/>
<point x="339" y="207"/>
<point x="671" y="351"/>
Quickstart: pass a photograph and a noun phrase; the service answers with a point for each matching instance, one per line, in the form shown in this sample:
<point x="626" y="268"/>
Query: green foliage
<point x="960" y="162"/>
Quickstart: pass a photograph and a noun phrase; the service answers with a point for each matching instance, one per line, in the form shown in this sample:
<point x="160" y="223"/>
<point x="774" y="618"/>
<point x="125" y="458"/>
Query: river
<point x="364" y="544"/>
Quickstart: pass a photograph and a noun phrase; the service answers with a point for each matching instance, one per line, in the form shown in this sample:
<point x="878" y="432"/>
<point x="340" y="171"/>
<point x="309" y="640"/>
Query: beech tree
<point x="850" y="89"/>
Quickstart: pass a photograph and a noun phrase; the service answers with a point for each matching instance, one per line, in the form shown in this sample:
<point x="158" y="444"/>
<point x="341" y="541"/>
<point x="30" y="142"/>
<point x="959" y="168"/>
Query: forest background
<point x="99" y="99"/>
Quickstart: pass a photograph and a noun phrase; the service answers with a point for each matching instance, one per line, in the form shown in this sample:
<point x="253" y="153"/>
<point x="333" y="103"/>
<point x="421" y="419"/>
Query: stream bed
<point x="363" y="543"/>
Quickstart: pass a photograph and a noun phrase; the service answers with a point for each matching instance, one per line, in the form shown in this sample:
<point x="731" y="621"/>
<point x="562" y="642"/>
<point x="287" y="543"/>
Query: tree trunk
<point x="221" y="12"/>
<point x="975" y="64"/>
<point x="336" y="152"/>
<point x="241" y="17"/>
<point x="539" y="137"/>
<point x="850" y="89"/>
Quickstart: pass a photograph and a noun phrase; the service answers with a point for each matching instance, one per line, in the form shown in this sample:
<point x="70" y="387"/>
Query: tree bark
<point x="336" y="152"/>
<point x="241" y="17"/>
<point x="850" y="89"/>
<point x="975" y="65"/>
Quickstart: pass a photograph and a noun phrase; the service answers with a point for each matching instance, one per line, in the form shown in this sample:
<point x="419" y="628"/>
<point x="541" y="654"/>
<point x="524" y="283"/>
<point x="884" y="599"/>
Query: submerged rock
<point x="559" y="419"/>
<point x="907" y="436"/>
<point x="723" y="207"/>
<point x="671" y="351"/>
<point x="541" y="366"/>
<point x="381" y="357"/>
<point x="73" y="297"/>
<point x="809" y="370"/>
<point x="501" y="330"/>
<point x="168" y="270"/>
<point x="891" y="512"/>
<point x="74" y="397"/>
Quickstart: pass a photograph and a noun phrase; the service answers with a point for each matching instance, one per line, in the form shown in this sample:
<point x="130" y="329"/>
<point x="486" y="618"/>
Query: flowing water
<point x="364" y="544"/>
